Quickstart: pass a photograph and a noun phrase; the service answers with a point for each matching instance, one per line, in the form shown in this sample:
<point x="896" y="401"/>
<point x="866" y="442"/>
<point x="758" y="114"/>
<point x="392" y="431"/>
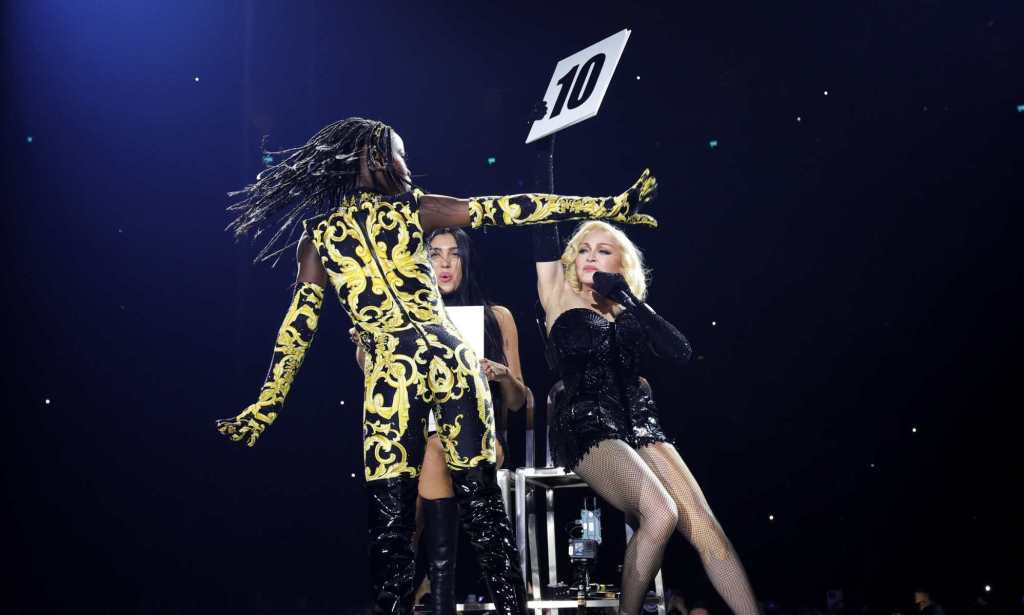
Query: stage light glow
<point x="491" y="161"/>
<point x="714" y="323"/>
<point x="342" y="402"/>
<point x="353" y="475"/>
<point x="47" y="401"/>
<point x="913" y="429"/>
<point x="799" y="119"/>
<point x="713" y="143"/>
<point x="197" y="78"/>
<point x="988" y="588"/>
<point x="771" y="517"/>
<point x="826" y="92"/>
<point x="638" y="77"/>
<point x="268" y="159"/>
<point x="1020" y="108"/>
<point x="28" y="139"/>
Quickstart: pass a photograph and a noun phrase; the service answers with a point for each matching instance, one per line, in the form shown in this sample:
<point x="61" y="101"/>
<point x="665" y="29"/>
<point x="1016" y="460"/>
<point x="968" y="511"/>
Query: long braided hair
<point x="311" y="179"/>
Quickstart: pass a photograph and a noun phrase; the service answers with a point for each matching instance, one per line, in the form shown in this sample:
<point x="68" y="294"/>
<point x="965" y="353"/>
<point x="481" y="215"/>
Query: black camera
<point x="582" y="548"/>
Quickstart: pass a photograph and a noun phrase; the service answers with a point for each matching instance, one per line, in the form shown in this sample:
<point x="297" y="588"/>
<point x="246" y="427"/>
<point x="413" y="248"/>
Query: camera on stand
<point x="583" y="548"/>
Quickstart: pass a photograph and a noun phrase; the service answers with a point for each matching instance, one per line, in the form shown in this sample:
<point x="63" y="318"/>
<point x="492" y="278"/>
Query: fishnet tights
<point x="654" y="486"/>
<point x="619" y="475"/>
<point x="699" y="526"/>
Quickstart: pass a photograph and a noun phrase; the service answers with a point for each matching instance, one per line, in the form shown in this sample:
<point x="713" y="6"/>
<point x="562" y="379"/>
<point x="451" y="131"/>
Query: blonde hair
<point x="632" y="258"/>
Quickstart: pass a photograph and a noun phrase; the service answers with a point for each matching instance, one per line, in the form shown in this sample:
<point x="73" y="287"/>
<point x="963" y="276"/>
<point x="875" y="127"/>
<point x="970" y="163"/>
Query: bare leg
<point x="435" y="481"/>
<point x="620" y="476"/>
<point x="699" y="526"/>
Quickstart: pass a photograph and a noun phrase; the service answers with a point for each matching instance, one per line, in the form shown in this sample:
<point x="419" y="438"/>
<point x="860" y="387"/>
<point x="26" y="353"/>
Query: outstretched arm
<point x="293" y="339"/>
<point x="438" y="211"/>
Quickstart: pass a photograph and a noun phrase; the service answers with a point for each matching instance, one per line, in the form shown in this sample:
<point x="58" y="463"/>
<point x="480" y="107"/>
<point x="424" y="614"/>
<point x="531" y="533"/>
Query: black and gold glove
<point x="293" y="339"/>
<point x="541" y="208"/>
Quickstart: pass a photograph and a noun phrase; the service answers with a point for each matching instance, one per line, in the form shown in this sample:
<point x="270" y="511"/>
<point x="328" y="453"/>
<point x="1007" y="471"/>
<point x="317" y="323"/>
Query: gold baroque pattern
<point x="541" y="208"/>
<point x="293" y="339"/>
<point x="372" y="248"/>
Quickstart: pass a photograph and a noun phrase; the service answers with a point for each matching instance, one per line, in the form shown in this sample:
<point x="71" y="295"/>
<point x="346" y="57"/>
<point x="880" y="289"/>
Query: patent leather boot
<point x="441" y="536"/>
<point x="391" y="518"/>
<point x="483" y="517"/>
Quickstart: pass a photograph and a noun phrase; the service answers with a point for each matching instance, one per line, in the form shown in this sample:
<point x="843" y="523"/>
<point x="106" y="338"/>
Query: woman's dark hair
<point x="468" y="293"/>
<point x="311" y="179"/>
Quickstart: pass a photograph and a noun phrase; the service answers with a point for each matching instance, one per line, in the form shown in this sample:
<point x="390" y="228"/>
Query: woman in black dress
<point x="605" y="425"/>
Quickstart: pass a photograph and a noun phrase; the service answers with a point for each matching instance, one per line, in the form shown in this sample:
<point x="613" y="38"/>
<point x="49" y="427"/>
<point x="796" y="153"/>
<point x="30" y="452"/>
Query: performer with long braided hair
<point x="605" y="425"/>
<point x="363" y="232"/>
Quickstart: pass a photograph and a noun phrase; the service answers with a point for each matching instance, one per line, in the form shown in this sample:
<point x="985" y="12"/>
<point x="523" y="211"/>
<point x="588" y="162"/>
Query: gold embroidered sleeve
<point x="293" y="339"/>
<point x="542" y="208"/>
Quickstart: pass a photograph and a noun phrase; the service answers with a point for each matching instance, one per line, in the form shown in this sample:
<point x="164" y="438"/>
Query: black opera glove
<point x="666" y="341"/>
<point x="293" y="339"/>
<point x="523" y="209"/>
<point x="547" y="245"/>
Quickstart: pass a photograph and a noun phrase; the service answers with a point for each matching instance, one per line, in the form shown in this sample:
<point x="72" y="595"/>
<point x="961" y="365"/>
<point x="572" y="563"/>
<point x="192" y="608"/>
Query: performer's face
<point x="598" y="252"/>
<point x="398" y="155"/>
<point x="447" y="263"/>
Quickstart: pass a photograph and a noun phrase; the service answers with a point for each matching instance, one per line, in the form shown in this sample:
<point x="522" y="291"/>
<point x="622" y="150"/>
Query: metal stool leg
<point x="521" y="524"/>
<point x="549" y="495"/>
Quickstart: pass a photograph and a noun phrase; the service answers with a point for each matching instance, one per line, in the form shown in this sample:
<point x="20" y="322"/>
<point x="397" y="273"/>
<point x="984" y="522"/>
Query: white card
<point x="469" y="320"/>
<point x="578" y="86"/>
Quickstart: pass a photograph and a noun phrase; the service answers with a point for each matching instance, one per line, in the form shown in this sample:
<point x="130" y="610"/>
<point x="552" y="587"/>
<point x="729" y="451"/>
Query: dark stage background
<point x="845" y="264"/>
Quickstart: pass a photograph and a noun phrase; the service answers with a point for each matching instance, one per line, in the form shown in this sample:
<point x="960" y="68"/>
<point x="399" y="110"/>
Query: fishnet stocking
<point x="699" y="526"/>
<point x="619" y="475"/>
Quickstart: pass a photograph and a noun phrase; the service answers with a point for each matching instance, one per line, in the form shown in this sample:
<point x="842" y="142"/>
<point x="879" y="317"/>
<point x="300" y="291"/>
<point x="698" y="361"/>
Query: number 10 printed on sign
<point x="578" y="85"/>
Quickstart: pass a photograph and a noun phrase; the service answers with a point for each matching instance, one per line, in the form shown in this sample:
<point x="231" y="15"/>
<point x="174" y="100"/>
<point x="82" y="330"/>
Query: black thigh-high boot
<point x="483" y="517"/>
<point x="441" y="536"/>
<point x="391" y="517"/>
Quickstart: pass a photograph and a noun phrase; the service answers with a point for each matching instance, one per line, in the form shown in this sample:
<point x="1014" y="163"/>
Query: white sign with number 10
<point x="578" y="86"/>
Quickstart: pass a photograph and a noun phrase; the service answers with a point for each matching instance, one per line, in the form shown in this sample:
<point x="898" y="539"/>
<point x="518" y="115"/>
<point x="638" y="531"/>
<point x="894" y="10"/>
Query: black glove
<point x="666" y="341"/>
<point x="613" y="286"/>
<point x="547" y="245"/>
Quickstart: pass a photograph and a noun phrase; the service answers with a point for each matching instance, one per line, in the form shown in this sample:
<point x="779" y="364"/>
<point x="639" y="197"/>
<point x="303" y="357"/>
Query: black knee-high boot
<point x="391" y="517"/>
<point x="441" y="538"/>
<point x="483" y="517"/>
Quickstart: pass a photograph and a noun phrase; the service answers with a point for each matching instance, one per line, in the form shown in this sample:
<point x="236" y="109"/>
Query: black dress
<point x="603" y="399"/>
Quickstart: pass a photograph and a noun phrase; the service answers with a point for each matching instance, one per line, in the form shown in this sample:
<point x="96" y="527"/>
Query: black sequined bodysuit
<point x="604" y="398"/>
